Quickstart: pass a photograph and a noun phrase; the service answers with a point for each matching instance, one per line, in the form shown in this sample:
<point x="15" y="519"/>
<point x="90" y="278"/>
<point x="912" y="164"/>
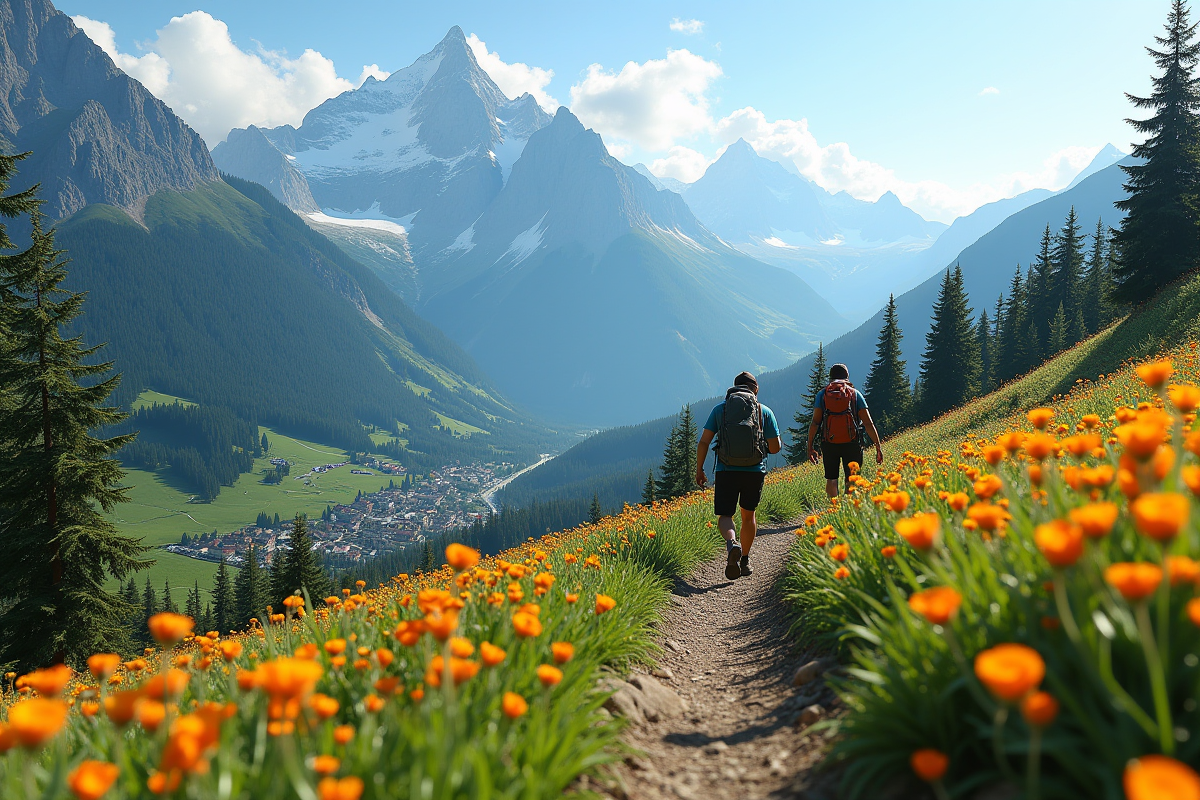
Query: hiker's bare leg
<point x="831" y="487"/>
<point x="725" y="526"/>
<point x="749" y="530"/>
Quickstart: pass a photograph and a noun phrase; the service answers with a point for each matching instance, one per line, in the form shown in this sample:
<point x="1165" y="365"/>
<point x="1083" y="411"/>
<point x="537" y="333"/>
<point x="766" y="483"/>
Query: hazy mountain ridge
<point x="96" y="135"/>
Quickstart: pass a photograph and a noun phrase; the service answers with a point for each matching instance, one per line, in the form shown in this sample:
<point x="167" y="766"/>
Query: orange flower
<point x="1095" y="519"/>
<point x="335" y="647"/>
<point x="929" y="764"/>
<point x="408" y="633"/>
<point x="231" y="650"/>
<point x="326" y="765"/>
<point x="888" y="551"/>
<point x="1011" y="441"/>
<point x="287" y="681"/>
<point x="1141" y="438"/>
<point x="562" y="652"/>
<point x="373" y="703"/>
<point x="1160" y="778"/>
<point x="841" y="573"/>
<point x="164" y="687"/>
<point x="1160" y="515"/>
<point x="91" y="779"/>
<point x="461" y="647"/>
<point x="1040" y="417"/>
<point x="987" y="486"/>
<point x="324" y="705"/>
<point x="526" y="625"/>
<point x="1185" y="397"/>
<point x="1155" y="373"/>
<point x="1039" y="709"/>
<point x="460" y="557"/>
<point x="36" y="721"/>
<point x="993" y="454"/>
<point x="896" y="501"/>
<point x="513" y="705"/>
<point x="604" y="603"/>
<point x="548" y="675"/>
<point x="1191" y="478"/>
<point x="342" y="734"/>
<point x="1010" y="671"/>
<point x="1193" y="611"/>
<point x="491" y="654"/>
<point x="384" y="657"/>
<point x="1181" y="570"/>
<point x="1040" y="445"/>
<point x="102" y="665"/>
<point x="48" y="682"/>
<point x="958" y="501"/>
<point x="120" y="707"/>
<point x="350" y="788"/>
<point x="150" y="714"/>
<point x="920" y="530"/>
<point x="839" y="552"/>
<point x="938" y="605"/>
<point x="1060" y="542"/>
<point x="441" y="624"/>
<point x="1134" y="580"/>
<point x="169" y="629"/>
<point x="987" y="516"/>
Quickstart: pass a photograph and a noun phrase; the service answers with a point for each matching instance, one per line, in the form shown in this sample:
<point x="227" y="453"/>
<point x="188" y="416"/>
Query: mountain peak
<point x="455" y="34"/>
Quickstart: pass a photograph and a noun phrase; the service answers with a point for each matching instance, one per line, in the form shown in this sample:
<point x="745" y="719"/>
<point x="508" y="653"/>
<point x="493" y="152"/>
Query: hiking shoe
<point x="733" y="555"/>
<point x="745" y="567"/>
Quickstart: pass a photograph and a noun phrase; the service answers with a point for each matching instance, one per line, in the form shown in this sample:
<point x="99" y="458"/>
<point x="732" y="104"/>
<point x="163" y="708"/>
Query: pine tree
<point x="1078" y="330"/>
<point x="648" y="489"/>
<point x="678" y="468"/>
<point x="168" y="602"/>
<point x="595" y="513"/>
<point x="301" y="571"/>
<point x="133" y="620"/>
<point x="250" y="589"/>
<point x="1039" y="289"/>
<point x="796" y="451"/>
<point x="950" y="364"/>
<point x="265" y="444"/>
<point x="1013" y="346"/>
<point x="193" y="602"/>
<point x="58" y="546"/>
<point x="224" y="610"/>
<point x="1158" y="240"/>
<point x="1067" y="261"/>
<point x="1056" y="339"/>
<point x="207" y="622"/>
<point x="888" y="390"/>
<point x="149" y="605"/>
<point x="983" y="341"/>
<point x="1095" y="291"/>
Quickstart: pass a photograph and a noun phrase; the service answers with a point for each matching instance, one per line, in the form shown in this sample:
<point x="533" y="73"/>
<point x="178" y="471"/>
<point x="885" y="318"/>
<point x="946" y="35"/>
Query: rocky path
<point x="740" y="730"/>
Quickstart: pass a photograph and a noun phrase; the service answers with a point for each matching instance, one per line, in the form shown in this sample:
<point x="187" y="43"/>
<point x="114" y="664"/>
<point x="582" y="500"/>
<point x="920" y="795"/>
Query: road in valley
<point x="489" y="493"/>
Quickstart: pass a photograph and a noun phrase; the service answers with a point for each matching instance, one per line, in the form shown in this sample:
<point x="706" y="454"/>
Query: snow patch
<point x="775" y="241"/>
<point x="372" y="218"/>
<point x="525" y="243"/>
<point x="682" y="237"/>
<point x="465" y="240"/>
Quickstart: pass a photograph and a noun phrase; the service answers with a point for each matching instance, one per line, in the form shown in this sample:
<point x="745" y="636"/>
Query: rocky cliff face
<point x="97" y="135"/>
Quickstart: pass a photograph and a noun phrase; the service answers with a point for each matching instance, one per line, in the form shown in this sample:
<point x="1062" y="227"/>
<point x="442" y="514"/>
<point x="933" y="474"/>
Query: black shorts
<point x="840" y="455"/>
<point x="737" y="488"/>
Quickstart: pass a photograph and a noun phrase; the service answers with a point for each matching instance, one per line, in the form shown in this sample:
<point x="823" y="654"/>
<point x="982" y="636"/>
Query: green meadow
<point x="160" y="513"/>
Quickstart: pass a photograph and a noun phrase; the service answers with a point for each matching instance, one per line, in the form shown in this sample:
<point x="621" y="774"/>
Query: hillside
<point x="259" y="314"/>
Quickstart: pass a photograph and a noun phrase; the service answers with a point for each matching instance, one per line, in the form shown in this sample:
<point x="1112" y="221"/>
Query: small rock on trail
<point x="735" y="727"/>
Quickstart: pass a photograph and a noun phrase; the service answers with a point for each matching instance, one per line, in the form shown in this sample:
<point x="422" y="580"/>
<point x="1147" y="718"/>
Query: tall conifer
<point x="888" y="390"/>
<point x="678" y="470"/>
<point x="1095" y="290"/>
<point x="595" y="512"/>
<point x="648" y="489"/>
<point x="796" y="451"/>
<point x="194" y="607"/>
<point x="984" y="341"/>
<point x="58" y="546"/>
<point x="250" y="589"/>
<point x="223" y="602"/>
<point x="1159" y="239"/>
<point x="950" y="364"/>
<point x="1066" y="258"/>
<point x="1039" y="290"/>
<point x="168" y="602"/>
<point x="302" y="571"/>
<point x="1013" y="346"/>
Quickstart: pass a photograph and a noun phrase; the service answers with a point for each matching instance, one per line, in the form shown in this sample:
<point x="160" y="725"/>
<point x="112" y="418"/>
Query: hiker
<point x="746" y="432"/>
<point x="841" y="412"/>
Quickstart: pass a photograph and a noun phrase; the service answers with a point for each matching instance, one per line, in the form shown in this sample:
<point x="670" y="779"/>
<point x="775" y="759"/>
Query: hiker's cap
<point x="839" y="372"/>
<point x="746" y="379"/>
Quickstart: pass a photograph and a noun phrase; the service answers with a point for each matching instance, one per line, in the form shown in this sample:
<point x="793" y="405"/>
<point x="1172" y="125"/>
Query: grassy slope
<point x="160" y="513"/>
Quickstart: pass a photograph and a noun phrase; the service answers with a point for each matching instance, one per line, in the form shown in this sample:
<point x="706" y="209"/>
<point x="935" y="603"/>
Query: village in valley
<point x="403" y="512"/>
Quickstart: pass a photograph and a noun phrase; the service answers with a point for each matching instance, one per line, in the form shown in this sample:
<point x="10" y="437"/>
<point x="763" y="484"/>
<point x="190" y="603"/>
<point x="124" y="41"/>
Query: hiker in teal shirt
<point x="739" y="484"/>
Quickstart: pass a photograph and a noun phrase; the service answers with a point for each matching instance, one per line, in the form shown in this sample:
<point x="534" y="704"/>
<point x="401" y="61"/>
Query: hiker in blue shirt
<point x="746" y="432"/>
<point x="840" y="413"/>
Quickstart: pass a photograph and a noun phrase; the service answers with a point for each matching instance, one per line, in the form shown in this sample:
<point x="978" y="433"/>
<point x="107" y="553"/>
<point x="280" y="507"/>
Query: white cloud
<point x="651" y="105"/>
<point x="371" y="71"/>
<point x="195" y="67"/>
<point x="514" y="79"/>
<point x="682" y="163"/>
<point x="989" y="90"/>
<point x="835" y="168"/>
<point x="687" y="26"/>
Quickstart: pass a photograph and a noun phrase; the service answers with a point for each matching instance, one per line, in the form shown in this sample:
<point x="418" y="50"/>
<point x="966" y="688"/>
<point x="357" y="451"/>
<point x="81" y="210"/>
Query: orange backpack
<point x="839" y="425"/>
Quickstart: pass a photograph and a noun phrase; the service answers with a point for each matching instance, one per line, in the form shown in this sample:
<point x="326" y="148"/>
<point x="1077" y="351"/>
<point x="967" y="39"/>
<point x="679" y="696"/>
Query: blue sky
<point x="950" y="104"/>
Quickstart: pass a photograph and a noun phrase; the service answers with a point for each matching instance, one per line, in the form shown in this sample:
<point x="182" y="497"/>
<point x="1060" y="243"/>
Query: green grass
<point x="458" y="427"/>
<point x="149" y="398"/>
<point x="159" y="511"/>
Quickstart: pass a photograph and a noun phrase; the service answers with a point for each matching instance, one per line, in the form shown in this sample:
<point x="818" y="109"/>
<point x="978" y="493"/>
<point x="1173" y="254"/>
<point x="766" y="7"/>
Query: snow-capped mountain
<point x="428" y="149"/>
<point x="583" y="284"/>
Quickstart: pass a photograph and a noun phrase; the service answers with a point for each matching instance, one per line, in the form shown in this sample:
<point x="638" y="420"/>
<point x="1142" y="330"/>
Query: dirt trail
<point x="728" y="655"/>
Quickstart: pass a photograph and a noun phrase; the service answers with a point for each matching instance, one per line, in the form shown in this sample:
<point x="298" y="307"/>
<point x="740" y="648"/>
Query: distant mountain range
<point x="569" y="276"/>
<point x="211" y="289"/>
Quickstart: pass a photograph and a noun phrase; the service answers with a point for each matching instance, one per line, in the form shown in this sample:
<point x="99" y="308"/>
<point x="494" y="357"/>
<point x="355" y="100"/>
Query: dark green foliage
<point x="58" y="547"/>
<point x="193" y="608"/>
<point x="1056" y="338"/>
<point x="150" y="607"/>
<point x="796" y="450"/>
<point x="207" y="447"/>
<point x="1159" y="240"/>
<point x="648" y="489"/>
<point x="1066" y="257"/>
<point x="1097" y="284"/>
<point x="301" y="569"/>
<point x="677" y="473"/>
<point x="224" y="604"/>
<point x="595" y="513"/>
<point x="251" y="589"/>
<point x="985" y="343"/>
<point x="168" y="602"/>
<point x="950" y="364"/>
<point x="1015" y="351"/>
<point x="888" y="390"/>
<point x="1039" y="289"/>
<point x="265" y="445"/>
